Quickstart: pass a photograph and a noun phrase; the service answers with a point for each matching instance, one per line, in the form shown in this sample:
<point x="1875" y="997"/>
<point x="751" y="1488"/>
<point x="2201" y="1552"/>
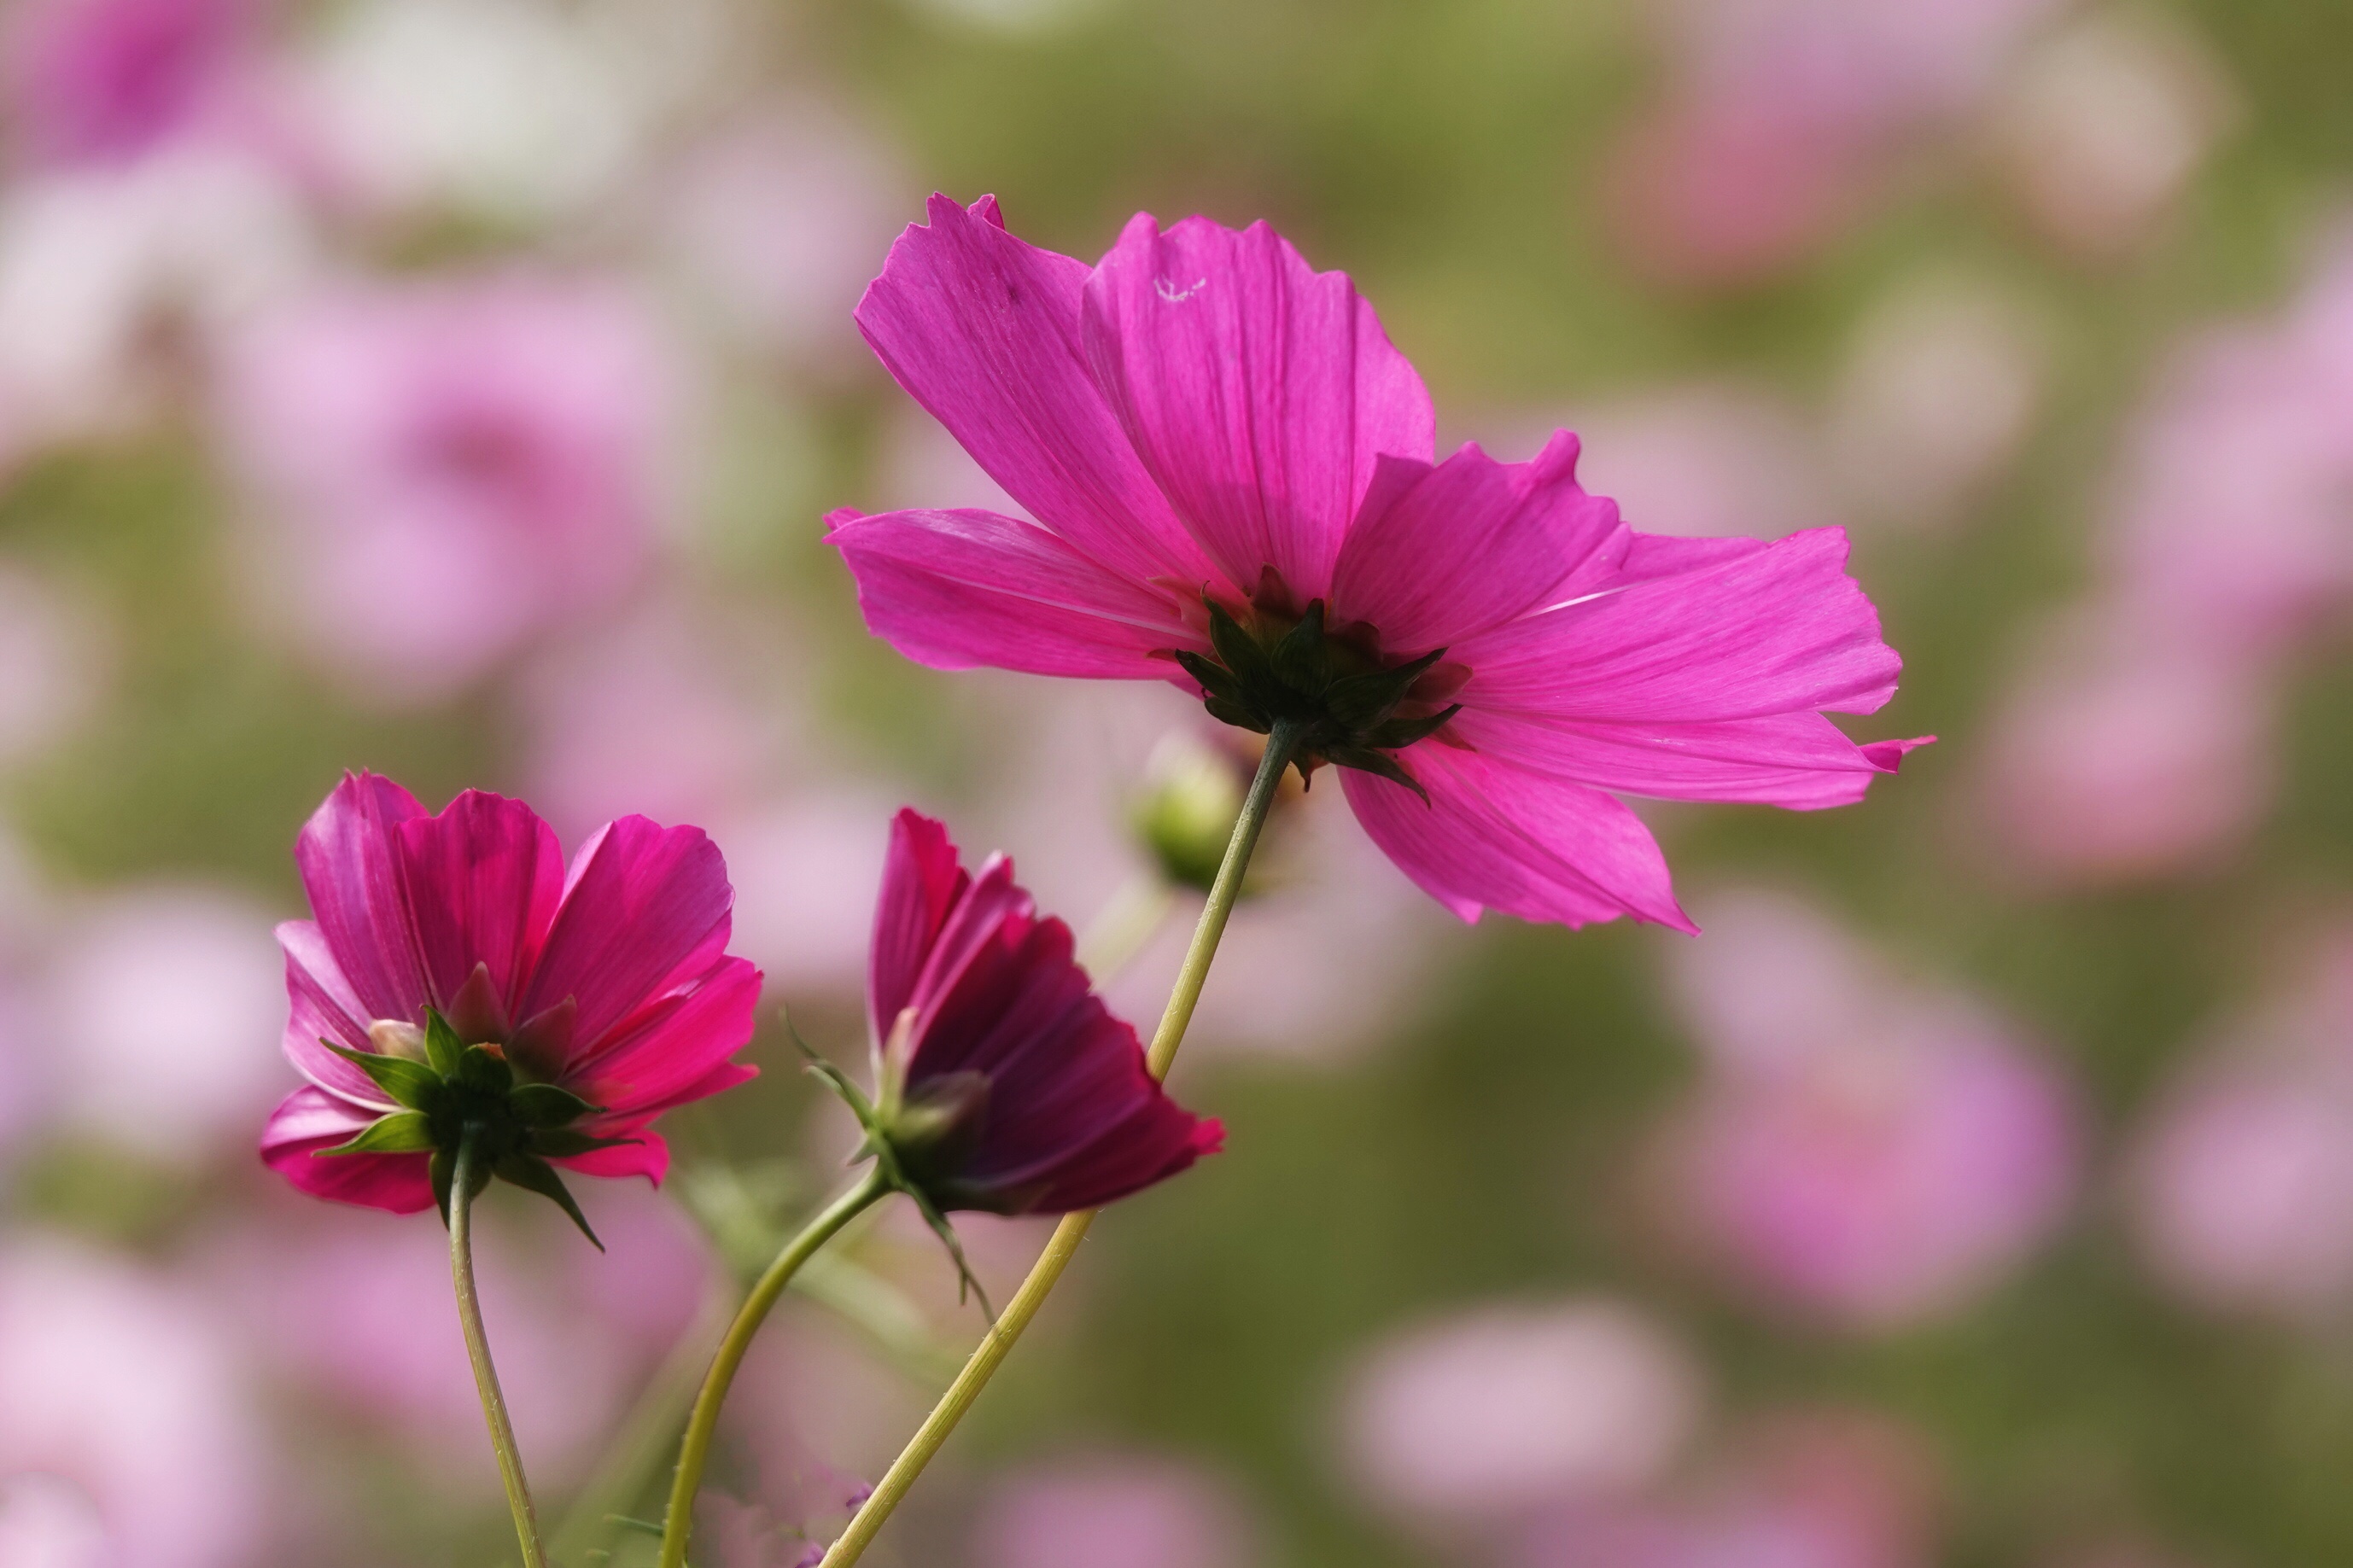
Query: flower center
<point x="1344" y="701"/>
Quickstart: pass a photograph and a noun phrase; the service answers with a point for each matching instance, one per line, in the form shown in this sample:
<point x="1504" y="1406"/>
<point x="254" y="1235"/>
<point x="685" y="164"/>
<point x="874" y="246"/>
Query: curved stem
<point x="477" y="1351"/>
<point x="695" y="1451"/>
<point x="1064" y="1244"/>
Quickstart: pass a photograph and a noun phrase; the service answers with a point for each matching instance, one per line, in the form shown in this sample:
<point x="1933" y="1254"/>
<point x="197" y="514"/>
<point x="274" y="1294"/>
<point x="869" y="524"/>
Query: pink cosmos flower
<point x="1874" y="1154"/>
<point x="93" y="80"/>
<point x="604" y="986"/>
<point x="1004" y="1083"/>
<point x="455" y="467"/>
<point x="1225" y="456"/>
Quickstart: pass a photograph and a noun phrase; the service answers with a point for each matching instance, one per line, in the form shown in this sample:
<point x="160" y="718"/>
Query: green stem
<point x="477" y="1351"/>
<point x="695" y="1451"/>
<point x="1064" y="1244"/>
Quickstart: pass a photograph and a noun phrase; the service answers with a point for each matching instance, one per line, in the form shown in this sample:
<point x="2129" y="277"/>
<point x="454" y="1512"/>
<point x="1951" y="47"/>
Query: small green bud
<point x="1186" y="812"/>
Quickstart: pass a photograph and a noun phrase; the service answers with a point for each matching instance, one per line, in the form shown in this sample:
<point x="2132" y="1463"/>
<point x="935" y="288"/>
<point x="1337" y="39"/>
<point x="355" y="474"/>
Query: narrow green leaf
<point x="535" y="1174"/>
<point x="546" y="1105"/>
<point x="966" y="1280"/>
<point x="442" y="1046"/>
<point x="402" y="1132"/>
<point x="410" y="1084"/>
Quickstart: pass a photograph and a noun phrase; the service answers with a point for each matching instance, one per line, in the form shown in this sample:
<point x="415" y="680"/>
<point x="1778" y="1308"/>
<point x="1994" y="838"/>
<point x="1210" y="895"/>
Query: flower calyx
<point x="1343" y="705"/>
<point x="916" y="1141"/>
<point x="450" y="1092"/>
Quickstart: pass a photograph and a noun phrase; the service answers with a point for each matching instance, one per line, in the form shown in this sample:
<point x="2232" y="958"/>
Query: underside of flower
<point x="1345" y="704"/>
<point x="450" y="1091"/>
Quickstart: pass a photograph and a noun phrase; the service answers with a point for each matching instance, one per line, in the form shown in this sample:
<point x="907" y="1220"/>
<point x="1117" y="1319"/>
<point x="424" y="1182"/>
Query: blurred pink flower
<point x="1805" y="1489"/>
<point x="1486" y="1416"/>
<point x="1711" y="460"/>
<point x="454" y="465"/>
<point x="155" y="1000"/>
<point x="2232" y="525"/>
<point x="2130" y="750"/>
<point x="1782" y="119"/>
<point x="106" y="79"/>
<point x="2241" y="1181"/>
<point x="1109" y="1511"/>
<point x="778" y="218"/>
<point x="357" y="1317"/>
<point x="1585" y="660"/>
<point x="1869" y="1153"/>
<point x="122" y="1424"/>
<point x="607" y="977"/>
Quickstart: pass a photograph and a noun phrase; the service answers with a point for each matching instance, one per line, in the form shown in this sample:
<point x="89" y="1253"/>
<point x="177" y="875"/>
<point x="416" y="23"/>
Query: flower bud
<point x="1185" y="812"/>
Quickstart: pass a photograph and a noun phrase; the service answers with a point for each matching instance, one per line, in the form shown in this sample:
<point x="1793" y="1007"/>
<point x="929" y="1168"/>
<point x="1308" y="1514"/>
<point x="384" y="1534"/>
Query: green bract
<point x="1345" y="704"/>
<point x="461" y="1092"/>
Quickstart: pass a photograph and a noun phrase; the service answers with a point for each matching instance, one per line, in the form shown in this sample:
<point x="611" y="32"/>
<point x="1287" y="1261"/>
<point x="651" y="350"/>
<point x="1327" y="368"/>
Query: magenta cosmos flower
<point x="459" y="975"/>
<point x="1002" y="1082"/>
<point x="1231" y="472"/>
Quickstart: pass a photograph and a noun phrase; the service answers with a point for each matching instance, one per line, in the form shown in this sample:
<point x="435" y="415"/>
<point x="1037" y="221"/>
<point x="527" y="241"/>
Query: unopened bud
<point x="1186" y="812"/>
<point x="395" y="1039"/>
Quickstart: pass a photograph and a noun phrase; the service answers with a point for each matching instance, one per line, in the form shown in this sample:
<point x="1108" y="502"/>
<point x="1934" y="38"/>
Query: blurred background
<point x="455" y="387"/>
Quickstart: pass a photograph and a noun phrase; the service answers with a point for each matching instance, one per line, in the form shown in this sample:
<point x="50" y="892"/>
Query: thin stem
<point x="695" y="1451"/>
<point x="1064" y="1244"/>
<point x="477" y="1351"/>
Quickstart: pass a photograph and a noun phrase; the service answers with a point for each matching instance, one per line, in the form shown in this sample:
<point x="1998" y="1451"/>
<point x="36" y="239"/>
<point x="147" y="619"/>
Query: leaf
<point x="533" y="1174"/>
<point x="412" y="1084"/>
<point x="965" y="1278"/>
<point x="402" y="1132"/>
<point x="442" y="1046"/>
<point x="547" y="1105"/>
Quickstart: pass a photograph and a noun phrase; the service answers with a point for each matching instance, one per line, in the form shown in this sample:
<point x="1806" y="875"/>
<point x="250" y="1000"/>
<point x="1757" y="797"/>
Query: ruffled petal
<point x="983" y="331"/>
<point x="1800" y="760"/>
<point x="481" y="881"/>
<point x="1495" y="836"/>
<point x="1443" y="553"/>
<point x="310" y="1120"/>
<point x="677" y="1050"/>
<point x="644" y="907"/>
<point x="922" y="881"/>
<point x="1258" y="393"/>
<point x="1744" y="633"/>
<point x="956" y="589"/>
<point x="351" y="868"/>
<point x="320" y="1007"/>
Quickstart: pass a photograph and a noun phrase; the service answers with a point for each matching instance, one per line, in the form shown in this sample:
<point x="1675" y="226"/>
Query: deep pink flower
<point x="1003" y="1082"/>
<point x="1207" y="432"/>
<point x="607" y="978"/>
<point x="455" y="466"/>
<point x="104" y="79"/>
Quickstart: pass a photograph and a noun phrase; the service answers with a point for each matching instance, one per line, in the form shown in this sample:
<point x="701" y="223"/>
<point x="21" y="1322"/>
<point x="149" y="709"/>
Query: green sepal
<point x="1365" y="760"/>
<point x="1358" y="700"/>
<point x="966" y="1280"/>
<point x="410" y="1084"/>
<point x="444" y="1171"/>
<point x="570" y="1142"/>
<point x="1214" y="679"/>
<point x="1398" y="733"/>
<point x="443" y="1049"/>
<point x="1234" y="713"/>
<point x="533" y="1174"/>
<point x="481" y="1067"/>
<point x="1302" y="658"/>
<point x="1237" y="650"/>
<point x="547" y="1105"/>
<point x="401" y="1132"/>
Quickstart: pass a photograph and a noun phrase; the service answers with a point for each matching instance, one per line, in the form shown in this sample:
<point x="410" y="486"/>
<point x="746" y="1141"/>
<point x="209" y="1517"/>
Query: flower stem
<point x="477" y="1351"/>
<point x="1064" y="1244"/>
<point x="695" y="1451"/>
